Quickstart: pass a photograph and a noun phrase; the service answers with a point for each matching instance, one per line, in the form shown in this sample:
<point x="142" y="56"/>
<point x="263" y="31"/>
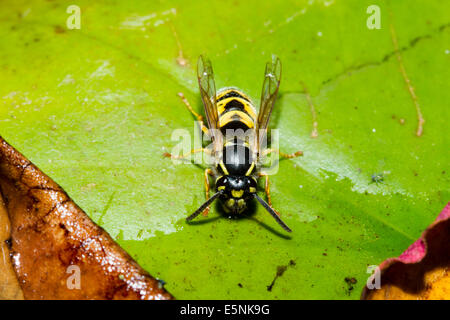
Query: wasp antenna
<point x="272" y="213"/>
<point x="203" y="206"/>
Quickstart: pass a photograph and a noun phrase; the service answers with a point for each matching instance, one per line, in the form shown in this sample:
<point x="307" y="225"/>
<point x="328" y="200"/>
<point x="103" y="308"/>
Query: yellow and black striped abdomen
<point x="235" y="110"/>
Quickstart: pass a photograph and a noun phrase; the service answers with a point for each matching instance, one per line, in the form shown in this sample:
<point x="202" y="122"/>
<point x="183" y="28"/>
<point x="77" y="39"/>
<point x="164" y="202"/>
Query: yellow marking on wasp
<point x="243" y="117"/>
<point x="252" y="189"/>
<point x="237" y="193"/>
<point x="246" y="106"/>
<point x="230" y="203"/>
<point x="221" y="188"/>
<point x="221" y="93"/>
<point x="232" y="142"/>
<point x="224" y="169"/>
<point x="249" y="171"/>
<point x="229" y="142"/>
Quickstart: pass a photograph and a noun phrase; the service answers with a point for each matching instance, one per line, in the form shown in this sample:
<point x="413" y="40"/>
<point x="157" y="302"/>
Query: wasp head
<point x="235" y="191"/>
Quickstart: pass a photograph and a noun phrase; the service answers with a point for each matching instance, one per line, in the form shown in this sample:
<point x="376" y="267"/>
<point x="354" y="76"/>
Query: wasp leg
<point x="267" y="190"/>
<point x="282" y="154"/>
<point x="196" y="115"/>
<point x="184" y="156"/>
<point x="208" y="172"/>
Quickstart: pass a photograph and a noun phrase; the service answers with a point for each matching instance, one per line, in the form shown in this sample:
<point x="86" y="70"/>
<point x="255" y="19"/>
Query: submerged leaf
<point x="56" y="250"/>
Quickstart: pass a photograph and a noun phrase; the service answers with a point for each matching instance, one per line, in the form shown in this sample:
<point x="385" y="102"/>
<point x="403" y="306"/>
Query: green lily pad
<point x="95" y="108"/>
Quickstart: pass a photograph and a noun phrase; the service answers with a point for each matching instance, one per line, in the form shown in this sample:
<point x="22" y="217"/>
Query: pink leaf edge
<point x="418" y="249"/>
<point x="415" y="252"/>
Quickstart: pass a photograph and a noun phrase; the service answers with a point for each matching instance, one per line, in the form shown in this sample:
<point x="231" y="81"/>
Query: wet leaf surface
<point x="95" y="109"/>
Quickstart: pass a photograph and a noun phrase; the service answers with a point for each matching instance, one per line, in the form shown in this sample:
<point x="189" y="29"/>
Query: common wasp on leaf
<point x="238" y="136"/>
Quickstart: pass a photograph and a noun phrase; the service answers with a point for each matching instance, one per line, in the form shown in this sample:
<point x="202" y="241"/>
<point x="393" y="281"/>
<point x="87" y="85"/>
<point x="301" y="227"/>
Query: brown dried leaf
<point x="9" y="286"/>
<point x="50" y="233"/>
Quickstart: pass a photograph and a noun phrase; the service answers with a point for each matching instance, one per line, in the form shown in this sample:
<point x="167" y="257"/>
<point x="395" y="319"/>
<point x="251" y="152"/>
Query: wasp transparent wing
<point x="269" y="93"/>
<point x="208" y="92"/>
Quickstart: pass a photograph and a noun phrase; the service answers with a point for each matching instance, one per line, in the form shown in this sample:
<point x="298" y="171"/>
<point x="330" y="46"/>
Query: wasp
<point x="237" y="163"/>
